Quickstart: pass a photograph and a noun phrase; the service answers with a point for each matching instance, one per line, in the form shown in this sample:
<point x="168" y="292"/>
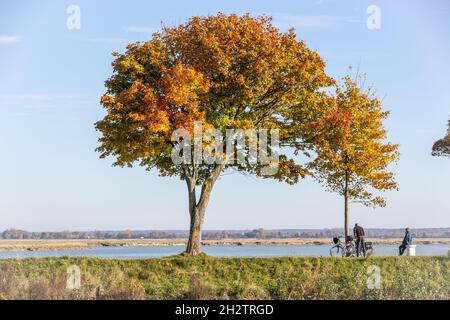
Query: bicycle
<point x="348" y="249"/>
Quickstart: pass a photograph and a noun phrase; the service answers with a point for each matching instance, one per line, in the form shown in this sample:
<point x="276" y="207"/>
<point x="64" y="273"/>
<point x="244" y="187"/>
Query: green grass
<point x="204" y="277"/>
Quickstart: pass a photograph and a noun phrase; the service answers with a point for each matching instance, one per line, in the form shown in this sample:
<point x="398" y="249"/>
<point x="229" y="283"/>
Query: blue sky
<point x="51" y="79"/>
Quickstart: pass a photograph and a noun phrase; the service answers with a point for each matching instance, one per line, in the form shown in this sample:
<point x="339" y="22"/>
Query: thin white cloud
<point x="137" y="29"/>
<point x="116" y="40"/>
<point x="320" y="2"/>
<point x="45" y="100"/>
<point x="286" y="21"/>
<point x="7" y="39"/>
<point x="106" y="40"/>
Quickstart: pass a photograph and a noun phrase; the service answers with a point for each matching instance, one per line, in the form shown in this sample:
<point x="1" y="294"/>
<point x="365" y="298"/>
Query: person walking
<point x="358" y="233"/>
<point x="407" y="240"/>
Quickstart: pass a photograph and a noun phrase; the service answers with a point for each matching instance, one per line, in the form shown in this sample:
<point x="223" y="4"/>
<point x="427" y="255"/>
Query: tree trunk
<point x="193" y="247"/>
<point x="197" y="210"/>
<point x="346" y="222"/>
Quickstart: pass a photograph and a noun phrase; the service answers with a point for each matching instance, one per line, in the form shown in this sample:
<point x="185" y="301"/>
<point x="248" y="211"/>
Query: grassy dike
<point x="204" y="277"/>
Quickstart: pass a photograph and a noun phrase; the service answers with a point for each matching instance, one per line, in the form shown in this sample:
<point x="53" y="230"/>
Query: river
<point x="140" y="252"/>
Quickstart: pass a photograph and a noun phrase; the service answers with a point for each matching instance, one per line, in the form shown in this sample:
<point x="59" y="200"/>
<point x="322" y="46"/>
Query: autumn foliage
<point x="226" y="71"/>
<point x="442" y="146"/>
<point x="233" y="72"/>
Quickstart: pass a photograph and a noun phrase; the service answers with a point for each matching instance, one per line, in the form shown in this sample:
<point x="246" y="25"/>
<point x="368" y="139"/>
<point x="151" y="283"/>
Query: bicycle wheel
<point x="337" y="251"/>
<point x="350" y="250"/>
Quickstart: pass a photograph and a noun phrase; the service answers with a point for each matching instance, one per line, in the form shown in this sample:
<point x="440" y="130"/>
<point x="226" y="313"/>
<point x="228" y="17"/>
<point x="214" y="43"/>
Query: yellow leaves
<point x="289" y="171"/>
<point x="235" y="123"/>
<point x="127" y="64"/>
<point x="137" y="116"/>
<point x="108" y="101"/>
<point x="349" y="138"/>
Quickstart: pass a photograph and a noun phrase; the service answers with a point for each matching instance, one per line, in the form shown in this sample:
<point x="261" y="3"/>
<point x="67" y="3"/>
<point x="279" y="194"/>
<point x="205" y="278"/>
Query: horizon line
<point x="246" y="229"/>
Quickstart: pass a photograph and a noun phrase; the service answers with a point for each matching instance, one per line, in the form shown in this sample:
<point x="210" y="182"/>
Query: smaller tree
<point x="441" y="147"/>
<point x="352" y="154"/>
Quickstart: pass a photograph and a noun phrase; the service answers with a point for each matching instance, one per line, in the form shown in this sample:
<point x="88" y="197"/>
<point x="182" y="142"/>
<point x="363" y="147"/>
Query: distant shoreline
<point x="75" y="244"/>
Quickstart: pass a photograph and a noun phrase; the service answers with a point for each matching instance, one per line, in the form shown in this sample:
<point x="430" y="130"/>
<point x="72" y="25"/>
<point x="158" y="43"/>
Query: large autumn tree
<point x="442" y="146"/>
<point x="349" y="140"/>
<point x="225" y="71"/>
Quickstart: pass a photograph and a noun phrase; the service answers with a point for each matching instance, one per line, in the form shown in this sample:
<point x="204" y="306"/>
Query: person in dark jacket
<point x="407" y="240"/>
<point x="359" y="234"/>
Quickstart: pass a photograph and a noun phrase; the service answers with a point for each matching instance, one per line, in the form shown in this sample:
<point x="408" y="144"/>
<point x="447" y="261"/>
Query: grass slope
<point x="204" y="277"/>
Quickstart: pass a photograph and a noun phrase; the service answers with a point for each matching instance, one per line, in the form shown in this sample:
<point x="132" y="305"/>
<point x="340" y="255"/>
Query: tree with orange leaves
<point x="352" y="155"/>
<point x="225" y="71"/>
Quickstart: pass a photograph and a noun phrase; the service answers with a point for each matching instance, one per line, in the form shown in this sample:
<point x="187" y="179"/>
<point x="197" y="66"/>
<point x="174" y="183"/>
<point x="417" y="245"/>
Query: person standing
<point x="359" y="234"/>
<point x="407" y="240"/>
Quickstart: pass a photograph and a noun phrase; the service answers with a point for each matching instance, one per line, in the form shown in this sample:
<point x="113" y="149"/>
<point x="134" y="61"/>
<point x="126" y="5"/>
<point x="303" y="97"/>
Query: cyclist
<point x="359" y="234"/>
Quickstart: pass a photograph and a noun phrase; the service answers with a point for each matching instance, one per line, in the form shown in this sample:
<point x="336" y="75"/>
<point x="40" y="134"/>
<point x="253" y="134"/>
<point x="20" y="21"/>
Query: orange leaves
<point x="244" y="57"/>
<point x="227" y="71"/>
<point x="182" y="85"/>
<point x="182" y="88"/>
<point x="144" y="108"/>
<point x="331" y="134"/>
<point x="348" y="139"/>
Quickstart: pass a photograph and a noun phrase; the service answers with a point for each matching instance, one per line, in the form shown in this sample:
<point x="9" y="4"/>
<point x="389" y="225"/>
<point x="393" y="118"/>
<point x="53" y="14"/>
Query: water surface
<point x="139" y="252"/>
